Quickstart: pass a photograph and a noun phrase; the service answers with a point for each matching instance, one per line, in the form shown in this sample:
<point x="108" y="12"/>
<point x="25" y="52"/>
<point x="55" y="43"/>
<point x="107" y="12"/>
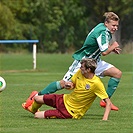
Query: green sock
<point x="51" y="88"/>
<point x="112" y="85"/>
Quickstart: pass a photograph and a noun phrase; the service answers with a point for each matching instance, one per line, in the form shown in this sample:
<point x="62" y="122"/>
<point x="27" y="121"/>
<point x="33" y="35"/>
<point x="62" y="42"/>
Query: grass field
<point x="21" y="80"/>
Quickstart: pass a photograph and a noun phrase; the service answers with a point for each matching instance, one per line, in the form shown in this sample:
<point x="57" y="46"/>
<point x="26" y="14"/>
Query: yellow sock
<point x="35" y="106"/>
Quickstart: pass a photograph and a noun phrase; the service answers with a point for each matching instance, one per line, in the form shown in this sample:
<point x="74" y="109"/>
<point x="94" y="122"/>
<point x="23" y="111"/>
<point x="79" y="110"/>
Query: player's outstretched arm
<point x="114" y="47"/>
<point x="107" y="109"/>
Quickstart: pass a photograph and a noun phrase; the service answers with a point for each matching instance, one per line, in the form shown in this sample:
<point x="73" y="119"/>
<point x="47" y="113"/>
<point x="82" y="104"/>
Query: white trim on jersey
<point x="102" y="47"/>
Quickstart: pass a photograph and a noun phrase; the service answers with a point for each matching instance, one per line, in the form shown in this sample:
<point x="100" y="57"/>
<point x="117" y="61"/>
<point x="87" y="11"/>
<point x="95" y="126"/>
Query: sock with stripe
<point x="51" y="88"/>
<point x="112" y="85"/>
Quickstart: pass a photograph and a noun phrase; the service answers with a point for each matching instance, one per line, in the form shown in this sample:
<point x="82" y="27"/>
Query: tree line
<point x="59" y="25"/>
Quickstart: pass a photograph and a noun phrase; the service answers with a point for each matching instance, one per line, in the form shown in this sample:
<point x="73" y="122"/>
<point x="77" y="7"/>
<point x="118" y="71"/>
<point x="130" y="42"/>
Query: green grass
<point x="22" y="79"/>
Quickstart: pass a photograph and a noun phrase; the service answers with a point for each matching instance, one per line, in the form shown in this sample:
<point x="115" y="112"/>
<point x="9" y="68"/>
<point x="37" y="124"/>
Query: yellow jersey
<point x="86" y="90"/>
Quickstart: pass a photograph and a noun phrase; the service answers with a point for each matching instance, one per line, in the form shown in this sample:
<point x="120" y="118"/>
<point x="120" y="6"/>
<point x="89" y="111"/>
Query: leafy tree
<point x="7" y="22"/>
<point x="59" y="25"/>
<point x="14" y="21"/>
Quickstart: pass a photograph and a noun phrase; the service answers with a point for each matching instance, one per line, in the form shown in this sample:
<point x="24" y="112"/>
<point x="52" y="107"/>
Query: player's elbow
<point x="104" y="53"/>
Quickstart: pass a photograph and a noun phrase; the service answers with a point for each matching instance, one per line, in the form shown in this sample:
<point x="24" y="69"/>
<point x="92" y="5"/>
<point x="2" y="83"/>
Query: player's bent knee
<point x="119" y="74"/>
<point x="36" y="99"/>
<point x="116" y="73"/>
<point x="39" y="99"/>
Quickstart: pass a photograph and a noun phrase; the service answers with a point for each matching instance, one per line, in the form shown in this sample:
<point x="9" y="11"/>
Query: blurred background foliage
<point x="60" y="25"/>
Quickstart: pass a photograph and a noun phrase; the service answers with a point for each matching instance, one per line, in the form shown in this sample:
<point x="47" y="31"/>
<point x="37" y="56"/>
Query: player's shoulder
<point x="100" y="26"/>
<point x="97" y="80"/>
<point x="99" y="29"/>
<point x="77" y="74"/>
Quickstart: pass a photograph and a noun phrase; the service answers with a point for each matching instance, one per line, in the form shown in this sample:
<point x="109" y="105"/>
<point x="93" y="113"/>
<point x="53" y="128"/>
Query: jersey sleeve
<point x="100" y="90"/>
<point x="103" y="40"/>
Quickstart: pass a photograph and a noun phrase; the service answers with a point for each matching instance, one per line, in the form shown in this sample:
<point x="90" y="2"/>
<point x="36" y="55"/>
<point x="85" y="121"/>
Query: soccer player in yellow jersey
<point x="86" y="87"/>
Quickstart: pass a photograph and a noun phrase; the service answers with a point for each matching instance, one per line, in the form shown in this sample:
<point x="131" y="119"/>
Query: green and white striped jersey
<point x="96" y="42"/>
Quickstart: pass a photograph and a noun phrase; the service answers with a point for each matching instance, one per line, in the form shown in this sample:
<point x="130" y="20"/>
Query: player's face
<point x="112" y="25"/>
<point x="83" y="69"/>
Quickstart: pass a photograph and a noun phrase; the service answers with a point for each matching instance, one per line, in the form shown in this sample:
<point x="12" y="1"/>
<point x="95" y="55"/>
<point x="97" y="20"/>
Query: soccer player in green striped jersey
<point x="97" y="43"/>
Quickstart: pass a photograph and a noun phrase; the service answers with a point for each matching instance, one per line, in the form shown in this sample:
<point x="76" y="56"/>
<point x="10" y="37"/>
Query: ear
<point x="88" y="70"/>
<point x="106" y="23"/>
